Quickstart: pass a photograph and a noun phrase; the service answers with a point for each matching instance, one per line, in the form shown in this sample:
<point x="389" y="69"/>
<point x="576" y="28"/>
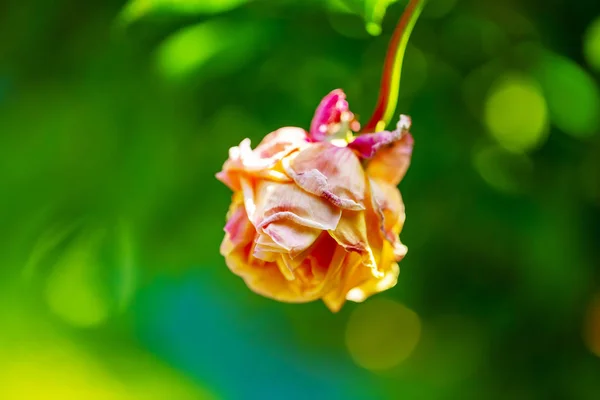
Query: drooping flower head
<point x="316" y="214"/>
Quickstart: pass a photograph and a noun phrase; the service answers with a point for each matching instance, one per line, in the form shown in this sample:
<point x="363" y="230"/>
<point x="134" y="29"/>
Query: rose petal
<point x="289" y="216"/>
<point x="265" y="278"/>
<point x="332" y="172"/>
<point x="366" y="145"/>
<point x="291" y="237"/>
<point x="372" y="286"/>
<point x="270" y="279"/>
<point x="387" y="202"/>
<point x="331" y="112"/>
<point x="351" y="269"/>
<point x="390" y="164"/>
<point x="261" y="162"/>
<point x="286" y="201"/>
<point x="351" y="233"/>
<point x="239" y="231"/>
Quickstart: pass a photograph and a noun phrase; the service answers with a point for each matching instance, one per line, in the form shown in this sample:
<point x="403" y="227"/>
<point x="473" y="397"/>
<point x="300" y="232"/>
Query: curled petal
<point x="351" y="234"/>
<point x="387" y="202"/>
<point x="366" y="145"/>
<point x="372" y="286"/>
<point x="332" y="172"/>
<point x="239" y="231"/>
<point x="262" y="161"/>
<point x="391" y="163"/>
<point x="278" y="144"/>
<point x="357" y="283"/>
<point x="331" y="114"/>
<point x="281" y="202"/>
<point x="275" y="279"/>
<point x="264" y="278"/>
<point x="291" y="218"/>
<point x="352" y="274"/>
<point x="289" y="238"/>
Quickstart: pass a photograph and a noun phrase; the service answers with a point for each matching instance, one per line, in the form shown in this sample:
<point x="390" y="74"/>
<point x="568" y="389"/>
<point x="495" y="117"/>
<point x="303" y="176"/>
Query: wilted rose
<point x="316" y="215"/>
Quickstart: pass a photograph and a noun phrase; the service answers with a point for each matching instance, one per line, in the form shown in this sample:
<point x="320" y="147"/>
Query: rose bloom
<point x="316" y="215"/>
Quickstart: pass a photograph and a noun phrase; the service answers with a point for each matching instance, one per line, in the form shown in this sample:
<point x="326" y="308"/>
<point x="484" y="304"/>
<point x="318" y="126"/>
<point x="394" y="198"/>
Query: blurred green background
<point x="115" y="116"/>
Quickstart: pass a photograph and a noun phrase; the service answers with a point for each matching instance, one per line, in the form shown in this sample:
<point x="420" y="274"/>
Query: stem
<point x="390" y="79"/>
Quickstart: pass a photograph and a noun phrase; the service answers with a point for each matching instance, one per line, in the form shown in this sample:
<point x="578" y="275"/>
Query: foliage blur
<point x="114" y="118"/>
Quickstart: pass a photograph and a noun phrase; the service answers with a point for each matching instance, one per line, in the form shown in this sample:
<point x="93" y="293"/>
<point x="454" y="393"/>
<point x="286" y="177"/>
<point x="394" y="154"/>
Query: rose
<point x="317" y="215"/>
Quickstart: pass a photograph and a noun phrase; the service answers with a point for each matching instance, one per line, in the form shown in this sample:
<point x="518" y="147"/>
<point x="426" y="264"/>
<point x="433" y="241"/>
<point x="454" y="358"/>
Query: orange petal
<point x="352" y="269"/>
<point x="332" y="172"/>
<point x="351" y="233"/>
<point x="391" y="163"/>
<point x="261" y="162"/>
<point x="373" y="286"/>
<point x="265" y="278"/>
<point x="388" y="204"/>
<point x="239" y="231"/>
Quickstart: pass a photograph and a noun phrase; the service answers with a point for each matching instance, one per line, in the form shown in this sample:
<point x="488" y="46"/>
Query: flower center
<point x="341" y="133"/>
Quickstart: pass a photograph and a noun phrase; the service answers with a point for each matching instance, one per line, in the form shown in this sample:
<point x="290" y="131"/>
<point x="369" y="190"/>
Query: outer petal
<point x="239" y="231"/>
<point x="357" y="283"/>
<point x="331" y="114"/>
<point x="315" y="276"/>
<point x="352" y="271"/>
<point x="372" y="286"/>
<point x="262" y="161"/>
<point x="390" y="164"/>
<point x="366" y="145"/>
<point x="264" y="278"/>
<point x="351" y="233"/>
<point x="387" y="203"/>
<point x="332" y="172"/>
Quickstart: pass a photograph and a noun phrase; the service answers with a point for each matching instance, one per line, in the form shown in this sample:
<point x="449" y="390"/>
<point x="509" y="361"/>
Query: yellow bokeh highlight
<point x="56" y="372"/>
<point x="591" y="44"/>
<point x="591" y="330"/>
<point x="381" y="334"/>
<point x="51" y="367"/>
<point x="516" y="113"/>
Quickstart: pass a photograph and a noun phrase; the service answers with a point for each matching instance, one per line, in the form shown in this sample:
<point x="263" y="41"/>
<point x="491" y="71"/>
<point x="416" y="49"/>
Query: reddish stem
<point x="390" y="79"/>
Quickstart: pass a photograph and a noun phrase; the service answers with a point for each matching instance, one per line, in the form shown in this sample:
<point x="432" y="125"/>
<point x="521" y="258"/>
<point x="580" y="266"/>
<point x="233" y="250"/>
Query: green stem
<point x="390" y="79"/>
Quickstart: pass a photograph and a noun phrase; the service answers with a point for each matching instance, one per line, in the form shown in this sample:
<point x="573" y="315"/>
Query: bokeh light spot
<point x="516" y="113"/>
<point x="572" y="95"/>
<point x="189" y="48"/>
<point x="382" y="333"/>
<point x="591" y="44"/>
<point x="216" y="46"/>
<point x="592" y="326"/>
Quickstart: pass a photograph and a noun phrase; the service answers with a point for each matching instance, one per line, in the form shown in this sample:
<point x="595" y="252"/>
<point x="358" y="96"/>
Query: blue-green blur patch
<point x="188" y="322"/>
